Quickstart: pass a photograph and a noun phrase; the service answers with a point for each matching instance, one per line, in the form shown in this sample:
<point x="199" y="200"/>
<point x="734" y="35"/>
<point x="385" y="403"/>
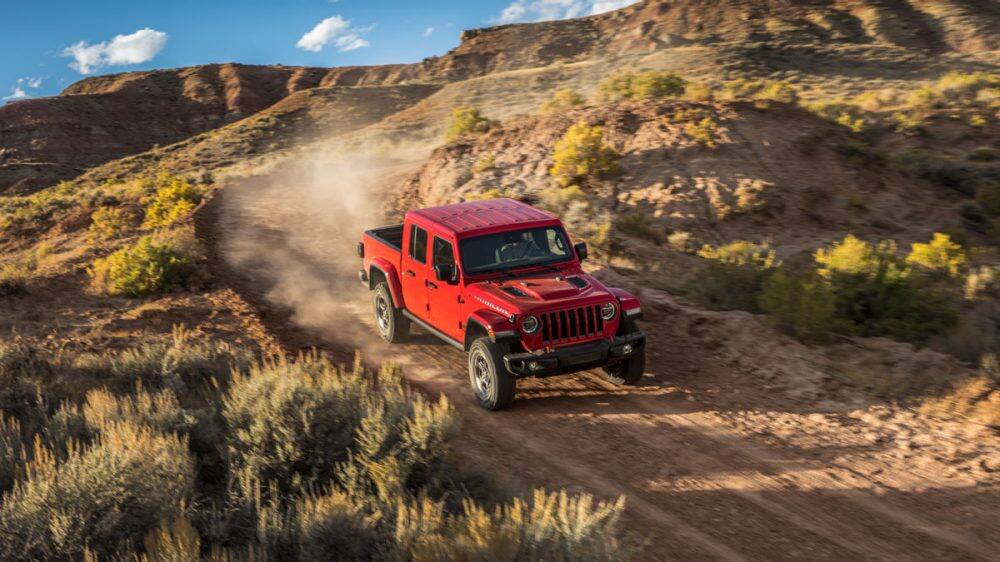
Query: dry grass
<point x="976" y="399"/>
<point x="320" y="460"/>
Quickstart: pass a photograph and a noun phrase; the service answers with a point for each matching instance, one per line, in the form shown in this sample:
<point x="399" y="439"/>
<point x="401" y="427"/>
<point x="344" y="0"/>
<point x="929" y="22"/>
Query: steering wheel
<point x="527" y="249"/>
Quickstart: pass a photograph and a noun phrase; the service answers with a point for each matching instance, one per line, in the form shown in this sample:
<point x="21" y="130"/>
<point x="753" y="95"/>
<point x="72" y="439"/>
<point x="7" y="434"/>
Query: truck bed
<point x="391" y="236"/>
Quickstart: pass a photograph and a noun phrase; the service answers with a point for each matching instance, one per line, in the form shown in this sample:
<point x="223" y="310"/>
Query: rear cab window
<point x="418" y="244"/>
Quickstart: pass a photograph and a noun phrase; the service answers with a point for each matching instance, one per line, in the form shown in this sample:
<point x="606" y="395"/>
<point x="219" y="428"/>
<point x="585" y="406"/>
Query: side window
<point x="443" y="255"/>
<point x="418" y="243"/>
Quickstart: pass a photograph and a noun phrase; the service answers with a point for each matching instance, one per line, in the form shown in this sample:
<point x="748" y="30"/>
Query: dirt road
<point x="718" y="457"/>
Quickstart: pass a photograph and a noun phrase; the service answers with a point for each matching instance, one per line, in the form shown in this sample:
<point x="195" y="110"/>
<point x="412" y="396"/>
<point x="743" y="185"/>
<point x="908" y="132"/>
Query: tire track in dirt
<point x="695" y="488"/>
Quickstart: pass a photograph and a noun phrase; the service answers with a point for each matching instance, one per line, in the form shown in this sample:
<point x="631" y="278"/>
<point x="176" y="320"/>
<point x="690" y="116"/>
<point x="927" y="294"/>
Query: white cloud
<point x="16" y="93"/>
<point x="428" y="32"/>
<point x="19" y="90"/>
<point x="30" y="81"/>
<point x="135" y="48"/>
<point x="540" y="10"/>
<point x="609" y="5"/>
<point x="335" y="30"/>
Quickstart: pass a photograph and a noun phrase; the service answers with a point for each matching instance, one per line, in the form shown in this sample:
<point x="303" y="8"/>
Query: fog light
<point x="534" y="365"/>
<point x="626" y="349"/>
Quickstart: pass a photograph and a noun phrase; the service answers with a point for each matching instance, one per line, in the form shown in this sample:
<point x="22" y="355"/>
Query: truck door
<point x="414" y="274"/>
<point x="442" y="296"/>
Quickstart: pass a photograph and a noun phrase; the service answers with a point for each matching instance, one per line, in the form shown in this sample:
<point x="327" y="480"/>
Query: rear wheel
<point x="391" y="324"/>
<point x="493" y="385"/>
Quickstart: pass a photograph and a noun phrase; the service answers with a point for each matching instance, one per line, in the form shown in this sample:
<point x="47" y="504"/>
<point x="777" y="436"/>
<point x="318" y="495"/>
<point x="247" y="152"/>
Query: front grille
<point x="572" y="324"/>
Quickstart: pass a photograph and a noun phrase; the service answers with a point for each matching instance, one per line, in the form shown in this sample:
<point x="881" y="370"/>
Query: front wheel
<point x="492" y="383"/>
<point x="629" y="371"/>
<point x="391" y="324"/>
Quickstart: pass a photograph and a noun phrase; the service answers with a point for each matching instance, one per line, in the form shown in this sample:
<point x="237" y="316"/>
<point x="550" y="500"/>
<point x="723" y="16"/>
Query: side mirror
<point x="581" y="250"/>
<point x="445" y="272"/>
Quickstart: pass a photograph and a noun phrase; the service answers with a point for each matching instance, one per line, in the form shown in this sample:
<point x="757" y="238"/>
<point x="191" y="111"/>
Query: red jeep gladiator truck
<point x="500" y="280"/>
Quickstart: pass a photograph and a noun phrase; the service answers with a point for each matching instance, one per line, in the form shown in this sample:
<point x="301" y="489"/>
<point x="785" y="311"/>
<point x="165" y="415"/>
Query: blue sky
<point x="47" y="45"/>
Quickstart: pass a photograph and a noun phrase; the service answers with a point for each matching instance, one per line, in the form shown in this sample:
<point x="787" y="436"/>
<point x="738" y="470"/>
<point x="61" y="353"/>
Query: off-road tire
<point x="389" y="320"/>
<point x="630" y="370"/>
<point x="492" y="384"/>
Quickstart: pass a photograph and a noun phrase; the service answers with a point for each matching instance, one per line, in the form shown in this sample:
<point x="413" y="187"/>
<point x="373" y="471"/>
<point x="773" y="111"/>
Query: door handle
<point x="409" y="273"/>
<point x="432" y="284"/>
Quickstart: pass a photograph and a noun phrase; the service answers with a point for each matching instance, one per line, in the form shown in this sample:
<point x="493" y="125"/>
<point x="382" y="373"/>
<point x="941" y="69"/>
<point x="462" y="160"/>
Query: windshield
<point x="518" y="248"/>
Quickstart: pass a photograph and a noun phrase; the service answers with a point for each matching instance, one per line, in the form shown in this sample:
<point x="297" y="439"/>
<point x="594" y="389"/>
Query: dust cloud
<point x="293" y="231"/>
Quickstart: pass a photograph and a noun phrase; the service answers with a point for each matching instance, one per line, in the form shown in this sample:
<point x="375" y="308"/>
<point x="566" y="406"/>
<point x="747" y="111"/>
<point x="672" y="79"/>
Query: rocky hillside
<point x="777" y="173"/>
<point x="103" y="118"/>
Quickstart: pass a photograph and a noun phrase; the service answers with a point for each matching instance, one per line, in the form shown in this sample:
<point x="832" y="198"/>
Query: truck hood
<point x="527" y="292"/>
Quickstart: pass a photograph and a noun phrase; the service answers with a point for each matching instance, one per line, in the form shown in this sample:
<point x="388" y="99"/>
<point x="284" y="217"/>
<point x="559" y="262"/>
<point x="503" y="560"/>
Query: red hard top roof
<point x="488" y="215"/>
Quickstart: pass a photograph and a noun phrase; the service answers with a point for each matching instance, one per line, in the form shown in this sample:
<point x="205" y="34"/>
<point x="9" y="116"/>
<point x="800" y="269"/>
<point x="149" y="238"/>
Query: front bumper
<point x="574" y="358"/>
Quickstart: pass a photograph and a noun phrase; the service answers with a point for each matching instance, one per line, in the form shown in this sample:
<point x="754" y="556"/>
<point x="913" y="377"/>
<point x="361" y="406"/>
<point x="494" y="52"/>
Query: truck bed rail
<point x="391" y="236"/>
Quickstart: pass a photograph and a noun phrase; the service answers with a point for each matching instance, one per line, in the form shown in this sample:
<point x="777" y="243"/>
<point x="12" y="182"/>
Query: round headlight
<point x="529" y="324"/>
<point x="608" y="311"/>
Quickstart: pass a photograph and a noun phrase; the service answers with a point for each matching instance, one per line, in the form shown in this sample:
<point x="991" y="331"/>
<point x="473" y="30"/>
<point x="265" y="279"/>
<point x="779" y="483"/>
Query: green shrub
<point x="876" y="294"/>
<point x="778" y="91"/>
<point x="114" y="490"/>
<point x="467" y="121"/>
<point x="925" y="97"/>
<point x="854" y="124"/>
<point x="940" y="255"/>
<point x="803" y="306"/>
<point x="567" y="200"/>
<point x="874" y="101"/>
<point x="150" y="266"/>
<point x="484" y="163"/>
<point x="180" y="363"/>
<point x="175" y="540"/>
<point x="581" y="155"/>
<point x="964" y="87"/>
<point x="173" y="201"/>
<point x="12" y="453"/>
<point x="704" y="132"/>
<point x="290" y="422"/>
<point x="939" y="170"/>
<point x="639" y="225"/>
<point x="16" y="275"/>
<point x="681" y="241"/>
<point x="548" y="526"/>
<point x="31" y="211"/>
<point x="107" y="223"/>
<point x="989" y="97"/>
<point x="563" y="100"/>
<point x="699" y="91"/>
<point x="741" y="88"/>
<point x="22" y="394"/>
<point x="160" y="411"/>
<point x="14" y="278"/>
<point x="840" y="112"/>
<point x="908" y="122"/>
<point x="734" y="275"/>
<point x="642" y="85"/>
<point x="334" y="523"/>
